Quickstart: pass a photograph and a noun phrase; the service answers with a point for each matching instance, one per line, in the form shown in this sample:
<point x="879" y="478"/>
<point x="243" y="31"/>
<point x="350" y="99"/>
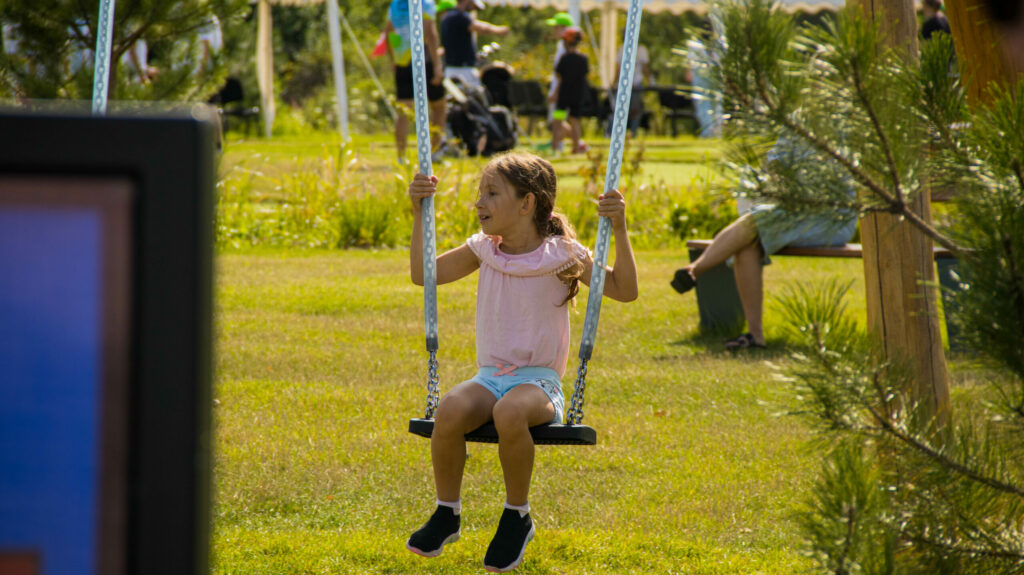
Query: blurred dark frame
<point x="169" y="162"/>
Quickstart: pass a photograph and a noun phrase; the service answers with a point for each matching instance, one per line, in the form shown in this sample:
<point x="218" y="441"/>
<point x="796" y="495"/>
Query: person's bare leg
<point x="750" y="284"/>
<point x="523" y="407"/>
<point x="557" y="130"/>
<point x="402" y="127"/>
<point x="438" y="117"/>
<point x="466" y="407"/>
<point x="738" y="235"/>
<point x="576" y="133"/>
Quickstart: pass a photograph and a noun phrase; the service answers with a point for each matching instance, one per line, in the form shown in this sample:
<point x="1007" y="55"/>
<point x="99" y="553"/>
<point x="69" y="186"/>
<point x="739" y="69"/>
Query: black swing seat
<point x="547" y="434"/>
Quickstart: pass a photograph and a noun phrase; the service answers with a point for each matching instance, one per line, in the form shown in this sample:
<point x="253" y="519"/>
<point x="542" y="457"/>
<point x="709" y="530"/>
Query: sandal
<point x="745" y="341"/>
<point x="683" y="281"/>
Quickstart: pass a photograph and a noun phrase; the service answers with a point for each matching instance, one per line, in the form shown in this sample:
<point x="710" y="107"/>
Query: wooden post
<point x="977" y="45"/>
<point x="338" y="66"/>
<point x="265" y="65"/>
<point x="899" y="268"/>
<point x="609" y="42"/>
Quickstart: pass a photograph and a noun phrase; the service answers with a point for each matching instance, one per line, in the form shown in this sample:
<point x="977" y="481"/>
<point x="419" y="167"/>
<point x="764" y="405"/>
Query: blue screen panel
<point x="50" y="391"/>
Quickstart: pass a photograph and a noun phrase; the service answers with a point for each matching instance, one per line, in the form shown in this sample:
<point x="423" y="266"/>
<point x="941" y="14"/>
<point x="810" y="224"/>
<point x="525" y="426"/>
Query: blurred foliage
<point x="329" y="198"/>
<point x="302" y="59"/>
<point x="56" y="39"/>
<point x="896" y="495"/>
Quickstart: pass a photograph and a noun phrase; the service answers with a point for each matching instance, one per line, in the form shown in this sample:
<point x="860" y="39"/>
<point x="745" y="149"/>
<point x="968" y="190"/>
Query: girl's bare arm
<point x="620" y="282"/>
<point x="452" y="265"/>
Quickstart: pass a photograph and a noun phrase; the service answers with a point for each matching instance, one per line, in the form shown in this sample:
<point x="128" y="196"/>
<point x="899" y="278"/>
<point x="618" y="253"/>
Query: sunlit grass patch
<point x="321" y="363"/>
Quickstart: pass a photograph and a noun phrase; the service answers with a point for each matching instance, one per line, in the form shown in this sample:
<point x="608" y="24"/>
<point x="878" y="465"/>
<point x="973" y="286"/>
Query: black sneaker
<point x="683" y="280"/>
<point x="505" y="552"/>
<point x="441" y="529"/>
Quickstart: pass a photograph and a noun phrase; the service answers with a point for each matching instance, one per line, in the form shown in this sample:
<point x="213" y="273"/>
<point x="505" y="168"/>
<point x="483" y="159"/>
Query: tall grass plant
<point x="329" y="197"/>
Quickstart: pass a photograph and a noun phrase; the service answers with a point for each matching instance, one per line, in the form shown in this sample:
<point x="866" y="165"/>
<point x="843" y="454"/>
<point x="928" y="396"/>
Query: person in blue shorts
<point x="764" y="230"/>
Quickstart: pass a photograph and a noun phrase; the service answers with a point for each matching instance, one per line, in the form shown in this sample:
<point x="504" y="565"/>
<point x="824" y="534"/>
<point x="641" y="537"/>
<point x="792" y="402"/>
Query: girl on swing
<point x="530" y="268"/>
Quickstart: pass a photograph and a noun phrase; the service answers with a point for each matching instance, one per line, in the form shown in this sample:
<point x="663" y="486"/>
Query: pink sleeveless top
<point x="520" y="317"/>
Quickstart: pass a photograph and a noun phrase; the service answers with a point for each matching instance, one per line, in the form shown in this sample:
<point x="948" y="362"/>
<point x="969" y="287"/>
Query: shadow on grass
<point x="713" y="342"/>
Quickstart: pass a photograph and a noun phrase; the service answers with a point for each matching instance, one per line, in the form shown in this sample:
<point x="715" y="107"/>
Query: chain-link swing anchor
<point x="575" y="414"/>
<point x="433" y="391"/>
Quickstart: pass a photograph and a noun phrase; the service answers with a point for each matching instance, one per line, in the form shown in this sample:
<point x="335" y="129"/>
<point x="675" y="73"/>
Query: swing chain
<point x="433" y="394"/>
<point x="575" y="415"/>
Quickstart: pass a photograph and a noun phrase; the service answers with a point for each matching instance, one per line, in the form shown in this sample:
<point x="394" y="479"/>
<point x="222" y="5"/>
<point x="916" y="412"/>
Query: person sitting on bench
<point x="764" y="230"/>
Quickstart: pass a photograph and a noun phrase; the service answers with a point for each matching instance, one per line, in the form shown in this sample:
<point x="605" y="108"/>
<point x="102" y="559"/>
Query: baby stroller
<point x="479" y="116"/>
<point x="483" y="129"/>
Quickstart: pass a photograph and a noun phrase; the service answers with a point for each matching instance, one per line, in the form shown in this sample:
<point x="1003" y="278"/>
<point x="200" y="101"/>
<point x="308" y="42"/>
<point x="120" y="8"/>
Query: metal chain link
<point x="575" y="415"/>
<point x="419" y="84"/>
<point x="433" y="392"/>
<point x="604" y="231"/>
<point x="420" y="105"/>
<point x="101" y="68"/>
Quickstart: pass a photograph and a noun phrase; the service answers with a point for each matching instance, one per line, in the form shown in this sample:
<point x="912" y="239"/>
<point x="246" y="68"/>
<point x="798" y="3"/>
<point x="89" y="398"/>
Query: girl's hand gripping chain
<point x="613" y="206"/>
<point x="422" y="186"/>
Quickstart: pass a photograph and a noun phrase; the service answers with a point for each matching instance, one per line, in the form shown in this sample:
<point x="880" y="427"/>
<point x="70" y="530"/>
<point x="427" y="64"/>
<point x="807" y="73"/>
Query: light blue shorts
<point x="545" y="378"/>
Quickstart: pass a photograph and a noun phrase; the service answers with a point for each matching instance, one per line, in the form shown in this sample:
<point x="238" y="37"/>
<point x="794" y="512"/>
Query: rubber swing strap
<point x="419" y="83"/>
<point x="604" y="228"/>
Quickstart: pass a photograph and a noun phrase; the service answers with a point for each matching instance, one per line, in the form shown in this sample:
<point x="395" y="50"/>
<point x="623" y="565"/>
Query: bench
<point x="596" y="105"/>
<point x="719" y="303"/>
<point x="230" y="104"/>
<point x="528" y="99"/>
<point x="675" y="105"/>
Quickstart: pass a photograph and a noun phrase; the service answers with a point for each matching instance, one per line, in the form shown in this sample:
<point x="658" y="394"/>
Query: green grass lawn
<point x="321" y="362"/>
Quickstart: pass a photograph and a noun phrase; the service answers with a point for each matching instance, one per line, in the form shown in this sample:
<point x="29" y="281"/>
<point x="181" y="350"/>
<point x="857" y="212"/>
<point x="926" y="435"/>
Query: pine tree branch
<point x="888" y="427"/>
<point x="946" y="134"/>
<point x="1016" y="281"/>
<point x="969" y="551"/>
<point x="900" y="199"/>
<point x="969" y="526"/>
<point x="839" y="204"/>
<point x="848" y="543"/>
<point x="858" y="174"/>
<point x="883" y="396"/>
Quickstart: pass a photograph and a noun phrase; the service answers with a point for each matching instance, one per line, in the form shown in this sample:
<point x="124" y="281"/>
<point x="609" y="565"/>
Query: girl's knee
<point x="508" y="415"/>
<point x="452" y="411"/>
<point x="455" y="413"/>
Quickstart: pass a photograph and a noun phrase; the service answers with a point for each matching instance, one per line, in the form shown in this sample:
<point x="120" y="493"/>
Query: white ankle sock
<point x="522" y="509"/>
<point x="455" y="505"/>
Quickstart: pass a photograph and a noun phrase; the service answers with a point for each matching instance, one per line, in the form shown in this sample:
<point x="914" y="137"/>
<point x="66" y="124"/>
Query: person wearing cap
<point x="458" y="29"/>
<point x="934" y="19"/>
<point x="558" y="23"/>
<point x="571" y="71"/>
<point x="399" y="48"/>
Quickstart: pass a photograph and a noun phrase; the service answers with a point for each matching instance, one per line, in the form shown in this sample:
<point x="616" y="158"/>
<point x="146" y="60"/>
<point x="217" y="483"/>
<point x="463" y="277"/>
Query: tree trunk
<point x="977" y="48"/>
<point x="899" y="268"/>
